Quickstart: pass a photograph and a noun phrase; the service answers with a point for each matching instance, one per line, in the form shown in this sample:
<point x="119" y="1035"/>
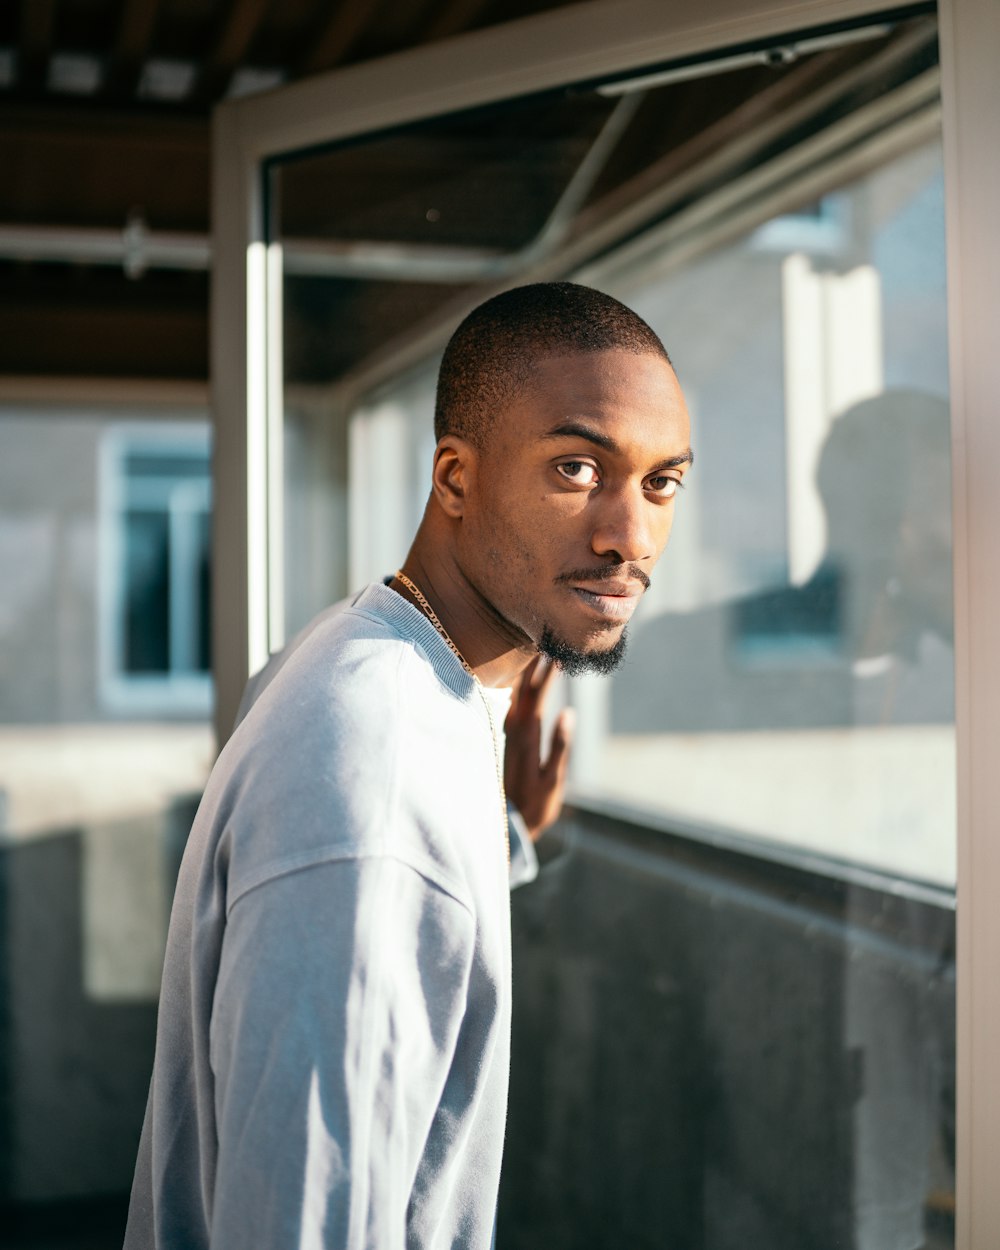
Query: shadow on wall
<point x="74" y="1065"/>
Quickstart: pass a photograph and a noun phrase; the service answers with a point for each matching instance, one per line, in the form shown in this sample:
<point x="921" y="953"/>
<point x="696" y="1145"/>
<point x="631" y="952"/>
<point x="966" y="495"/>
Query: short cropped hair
<point x="490" y="356"/>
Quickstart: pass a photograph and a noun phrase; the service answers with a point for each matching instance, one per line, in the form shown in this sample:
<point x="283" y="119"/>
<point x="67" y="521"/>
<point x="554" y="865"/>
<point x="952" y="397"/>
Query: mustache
<point x="607" y="573"/>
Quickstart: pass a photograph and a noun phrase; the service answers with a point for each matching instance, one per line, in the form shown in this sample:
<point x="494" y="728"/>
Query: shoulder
<point x="327" y="721"/>
<point x="352" y="645"/>
<point x="319" y="636"/>
<point x="321" y="768"/>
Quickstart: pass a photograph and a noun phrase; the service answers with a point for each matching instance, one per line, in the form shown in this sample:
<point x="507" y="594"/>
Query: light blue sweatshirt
<point x="334" y="1027"/>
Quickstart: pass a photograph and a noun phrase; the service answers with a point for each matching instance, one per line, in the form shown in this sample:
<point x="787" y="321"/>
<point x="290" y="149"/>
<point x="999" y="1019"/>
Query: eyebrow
<point x="576" y="429"/>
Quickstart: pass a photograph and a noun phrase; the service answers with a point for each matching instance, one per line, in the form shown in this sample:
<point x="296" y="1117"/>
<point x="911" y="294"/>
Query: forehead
<point x="619" y="390"/>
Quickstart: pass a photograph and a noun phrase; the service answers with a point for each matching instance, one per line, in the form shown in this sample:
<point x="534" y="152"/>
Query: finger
<point x="517" y="691"/>
<point x="559" y="748"/>
<point x="543" y="682"/>
<point x="522" y="699"/>
<point x="527" y="673"/>
<point x="524" y="741"/>
<point x="539" y="681"/>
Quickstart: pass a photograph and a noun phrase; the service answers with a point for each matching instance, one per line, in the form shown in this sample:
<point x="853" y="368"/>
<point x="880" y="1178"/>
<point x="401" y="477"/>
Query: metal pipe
<point x="776" y="54"/>
<point x="137" y="248"/>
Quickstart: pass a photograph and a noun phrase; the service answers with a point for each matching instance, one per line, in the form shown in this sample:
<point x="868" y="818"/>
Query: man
<point x="333" y="1043"/>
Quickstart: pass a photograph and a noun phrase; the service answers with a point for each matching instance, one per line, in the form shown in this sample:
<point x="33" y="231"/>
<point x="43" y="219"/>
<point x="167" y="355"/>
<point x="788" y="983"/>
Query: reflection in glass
<point x="803" y="619"/>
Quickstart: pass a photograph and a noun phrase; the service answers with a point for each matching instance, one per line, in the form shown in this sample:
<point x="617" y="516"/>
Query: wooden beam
<point x="132" y="43"/>
<point x="37" y="25"/>
<point x="333" y="41"/>
<point x="73" y="390"/>
<point x="235" y="35"/>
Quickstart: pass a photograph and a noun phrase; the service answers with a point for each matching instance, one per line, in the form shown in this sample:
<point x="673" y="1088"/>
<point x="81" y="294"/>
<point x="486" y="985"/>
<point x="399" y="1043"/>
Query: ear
<point x="455" y="463"/>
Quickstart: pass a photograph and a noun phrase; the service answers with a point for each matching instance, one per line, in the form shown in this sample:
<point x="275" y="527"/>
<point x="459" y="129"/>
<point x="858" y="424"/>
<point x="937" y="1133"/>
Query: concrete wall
<point x="50" y="517"/>
<point x="48" y="551"/>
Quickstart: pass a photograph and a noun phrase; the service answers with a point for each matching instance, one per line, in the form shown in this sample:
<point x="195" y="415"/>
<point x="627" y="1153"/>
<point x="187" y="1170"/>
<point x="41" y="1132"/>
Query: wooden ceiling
<point x="105" y="112"/>
<point x="188" y="54"/>
<point x="104" y="117"/>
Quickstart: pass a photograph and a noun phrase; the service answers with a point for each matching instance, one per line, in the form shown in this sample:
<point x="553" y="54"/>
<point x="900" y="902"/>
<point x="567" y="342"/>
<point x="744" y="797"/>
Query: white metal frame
<point x="970" y="87"/>
<point x="588" y="41"/>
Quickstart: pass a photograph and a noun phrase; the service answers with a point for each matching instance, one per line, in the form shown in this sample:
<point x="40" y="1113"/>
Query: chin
<point x="576" y="661"/>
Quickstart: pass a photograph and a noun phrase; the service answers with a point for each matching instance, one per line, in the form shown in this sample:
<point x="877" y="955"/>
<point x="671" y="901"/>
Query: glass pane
<point x="781" y="739"/>
<point x="201" y="594"/>
<point x="803" y="616"/>
<point x="147" y="596"/>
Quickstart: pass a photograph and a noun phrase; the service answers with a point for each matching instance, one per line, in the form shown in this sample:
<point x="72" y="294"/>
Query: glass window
<point x="751" y="973"/>
<point x="781" y="226"/>
<point x="801" y="622"/>
<point x="780" y="740"/>
<point x="156" y="512"/>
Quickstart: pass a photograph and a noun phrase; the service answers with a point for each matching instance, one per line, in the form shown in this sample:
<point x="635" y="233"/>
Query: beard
<point x="574" y="662"/>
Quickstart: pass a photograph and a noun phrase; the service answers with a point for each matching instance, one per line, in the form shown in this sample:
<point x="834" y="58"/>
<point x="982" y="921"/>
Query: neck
<point x="493" y="649"/>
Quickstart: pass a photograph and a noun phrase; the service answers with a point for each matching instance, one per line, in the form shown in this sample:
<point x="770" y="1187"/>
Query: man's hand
<point x="536" y="788"/>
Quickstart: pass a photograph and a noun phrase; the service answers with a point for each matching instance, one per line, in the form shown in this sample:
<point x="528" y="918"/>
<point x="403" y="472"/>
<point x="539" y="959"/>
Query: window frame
<point x="585" y="42"/>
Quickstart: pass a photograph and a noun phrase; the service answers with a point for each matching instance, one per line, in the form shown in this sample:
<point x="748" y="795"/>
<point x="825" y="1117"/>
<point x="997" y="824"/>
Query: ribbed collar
<point x="410" y="623"/>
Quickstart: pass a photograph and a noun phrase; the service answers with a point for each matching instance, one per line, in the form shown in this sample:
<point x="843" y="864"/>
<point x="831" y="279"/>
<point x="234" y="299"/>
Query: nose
<point x="624" y="531"/>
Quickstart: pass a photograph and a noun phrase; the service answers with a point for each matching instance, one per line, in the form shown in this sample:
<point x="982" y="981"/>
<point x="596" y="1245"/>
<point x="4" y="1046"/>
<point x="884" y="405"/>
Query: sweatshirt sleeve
<point x="523" y="857"/>
<point x="340" y="997"/>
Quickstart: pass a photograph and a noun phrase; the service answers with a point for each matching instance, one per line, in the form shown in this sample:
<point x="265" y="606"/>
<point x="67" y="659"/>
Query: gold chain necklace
<point x="432" y="616"/>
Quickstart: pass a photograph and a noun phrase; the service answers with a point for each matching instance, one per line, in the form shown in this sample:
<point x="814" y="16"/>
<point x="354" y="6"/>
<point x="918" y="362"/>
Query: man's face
<point x="573" y="498"/>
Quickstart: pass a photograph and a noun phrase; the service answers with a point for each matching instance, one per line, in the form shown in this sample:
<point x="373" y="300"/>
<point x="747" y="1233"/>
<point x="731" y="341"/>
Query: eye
<point x="663" y="485"/>
<point x="579" y="472"/>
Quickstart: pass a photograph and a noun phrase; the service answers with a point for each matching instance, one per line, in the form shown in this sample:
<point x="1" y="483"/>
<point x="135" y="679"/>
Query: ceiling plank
<point x="37" y="26"/>
<point x="77" y="321"/>
<point x="43" y="150"/>
<point x="236" y="34"/>
<point x="452" y="18"/>
<point x="334" y="40"/>
<point x="132" y="44"/>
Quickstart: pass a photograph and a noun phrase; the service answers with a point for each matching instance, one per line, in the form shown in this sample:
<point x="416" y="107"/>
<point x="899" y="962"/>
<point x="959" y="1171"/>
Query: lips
<point x="610" y="600"/>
